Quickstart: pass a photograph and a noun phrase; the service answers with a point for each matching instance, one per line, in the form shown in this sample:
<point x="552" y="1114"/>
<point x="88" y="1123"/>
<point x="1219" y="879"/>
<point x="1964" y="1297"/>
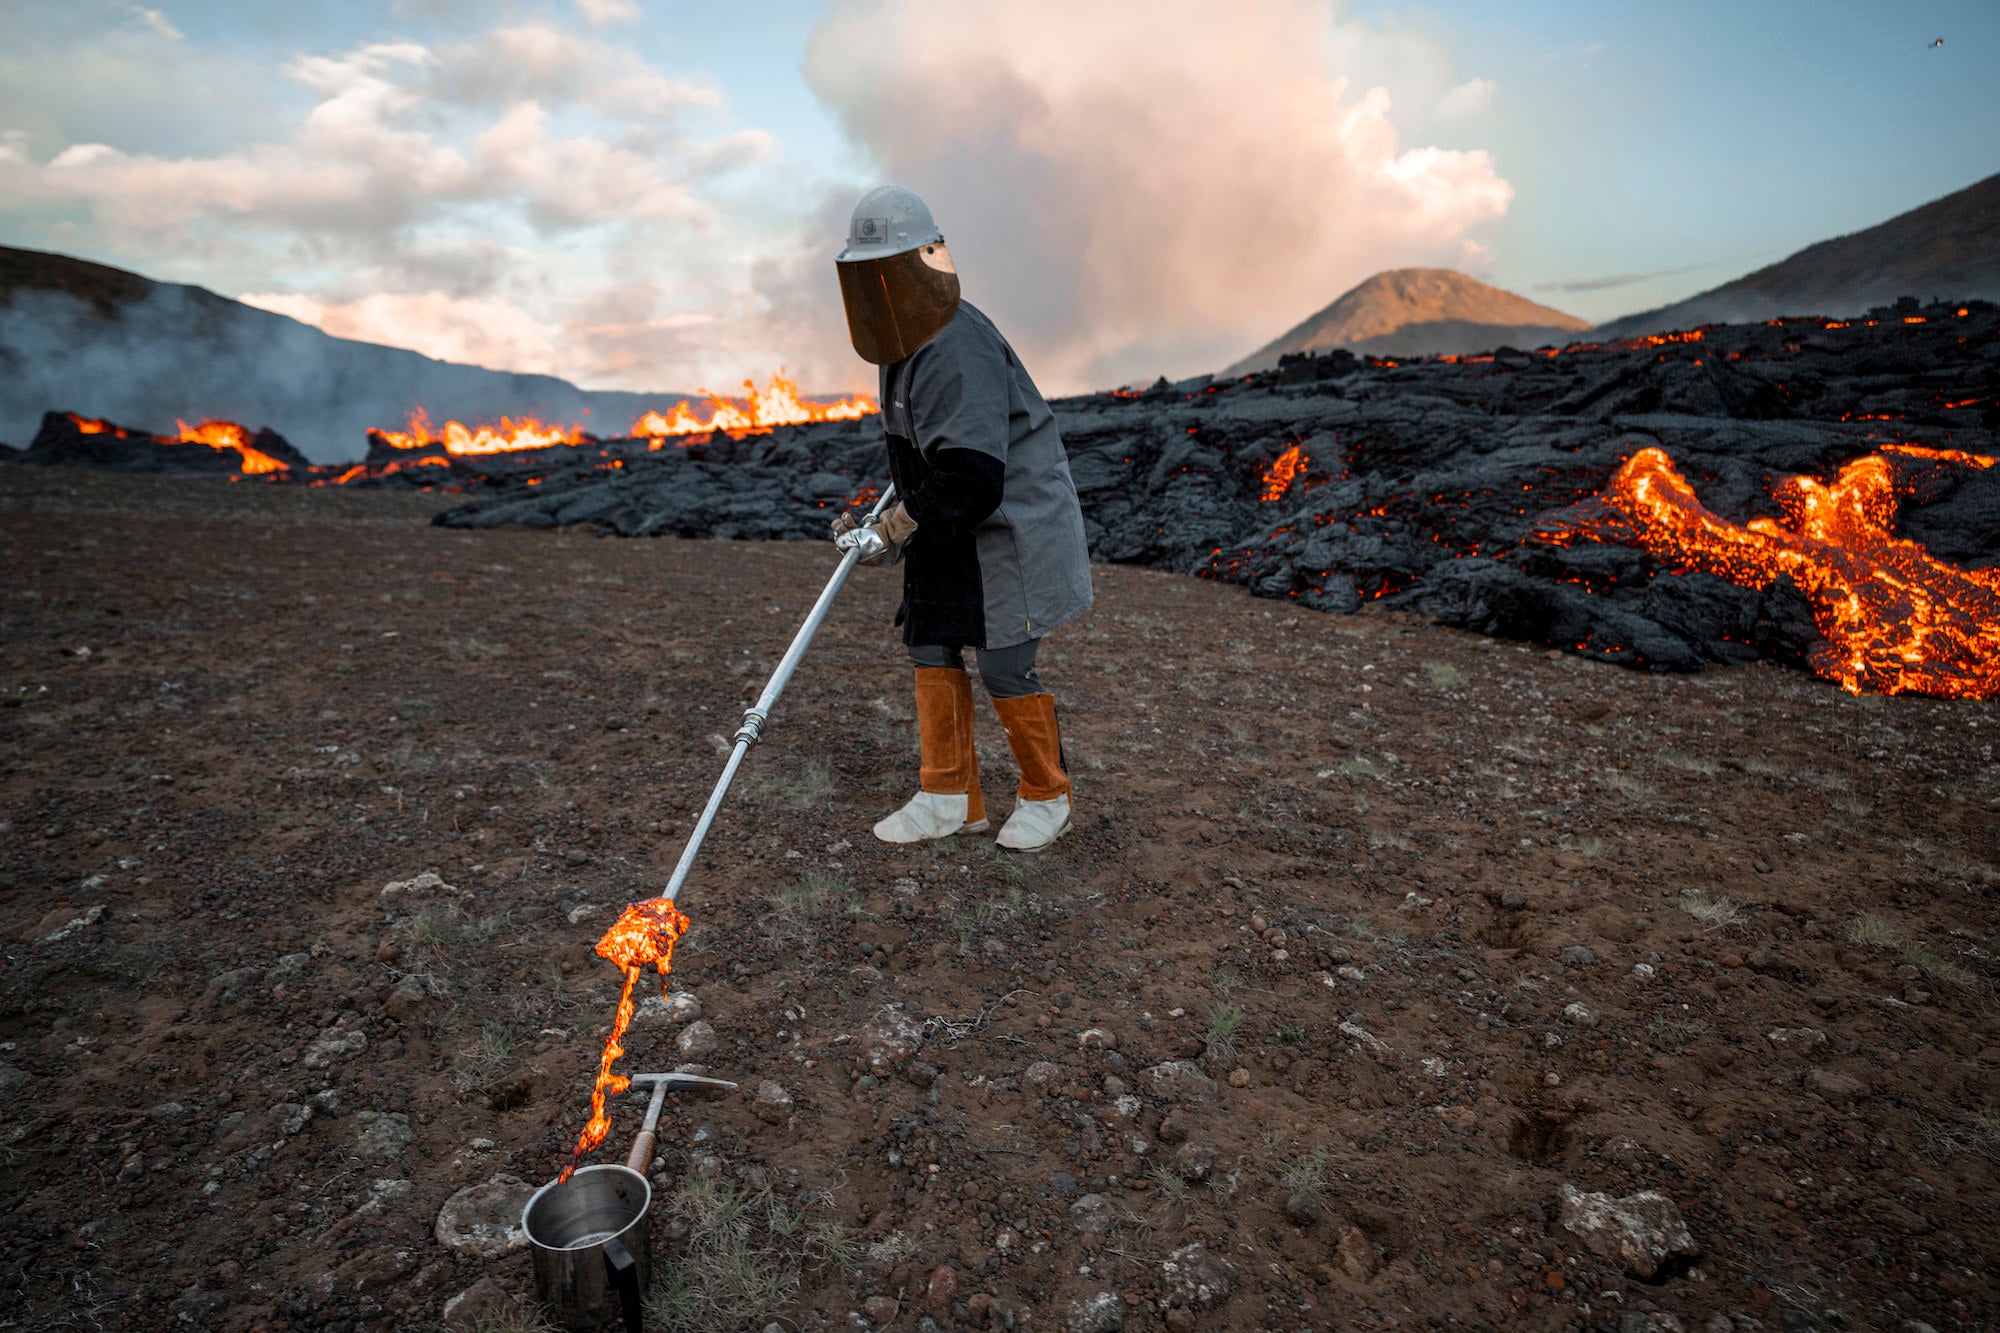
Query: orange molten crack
<point x="1283" y="469"/>
<point x="1892" y="617"/>
<point x="643" y="936"/>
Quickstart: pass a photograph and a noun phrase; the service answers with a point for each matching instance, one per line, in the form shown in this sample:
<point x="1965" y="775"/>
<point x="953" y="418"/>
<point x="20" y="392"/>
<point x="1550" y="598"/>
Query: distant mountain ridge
<point x="1419" y="312"/>
<point x="82" y="337"/>
<point x="1948" y="249"/>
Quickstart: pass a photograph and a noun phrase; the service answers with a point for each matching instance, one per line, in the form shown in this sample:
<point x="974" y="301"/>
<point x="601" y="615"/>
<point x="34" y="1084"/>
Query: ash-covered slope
<point x="83" y="337"/>
<point x="1948" y="249"/>
<point x="1450" y="486"/>
<point x="1419" y="312"/>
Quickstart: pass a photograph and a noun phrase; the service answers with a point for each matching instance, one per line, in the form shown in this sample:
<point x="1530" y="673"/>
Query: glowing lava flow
<point x="470" y="441"/>
<point x="97" y="426"/>
<point x="228" y="435"/>
<point x="1892" y="617"/>
<point x="643" y="936"/>
<point x="214" y="434"/>
<point x="779" y="404"/>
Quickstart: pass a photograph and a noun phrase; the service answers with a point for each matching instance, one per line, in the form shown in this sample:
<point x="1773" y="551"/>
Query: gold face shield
<point x="898" y="303"/>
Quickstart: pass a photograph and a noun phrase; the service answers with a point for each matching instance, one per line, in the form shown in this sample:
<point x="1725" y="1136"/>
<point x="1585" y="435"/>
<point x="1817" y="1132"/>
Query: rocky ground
<point x="1379" y="950"/>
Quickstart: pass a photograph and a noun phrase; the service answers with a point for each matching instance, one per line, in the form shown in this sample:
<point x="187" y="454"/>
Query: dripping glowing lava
<point x="643" y="936"/>
<point x="1892" y="618"/>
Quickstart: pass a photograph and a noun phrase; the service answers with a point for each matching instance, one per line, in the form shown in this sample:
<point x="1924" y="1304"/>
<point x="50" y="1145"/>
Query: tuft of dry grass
<point x="801" y="911"/>
<point x="1877" y="932"/>
<point x="1870" y="929"/>
<point x="1634" y="789"/>
<point x="1223" y="1022"/>
<point x="476" y="1067"/>
<point x="1933" y="964"/>
<point x="1444" y="675"/>
<point x="1714" y="913"/>
<point x="745" y="1255"/>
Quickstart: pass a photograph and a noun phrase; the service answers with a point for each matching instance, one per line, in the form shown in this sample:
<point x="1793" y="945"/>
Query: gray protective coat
<point x="1015" y="573"/>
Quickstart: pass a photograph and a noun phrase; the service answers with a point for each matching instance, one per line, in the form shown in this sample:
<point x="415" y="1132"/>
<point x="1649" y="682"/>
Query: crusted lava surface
<point x="1446" y="485"/>
<point x="1371" y="937"/>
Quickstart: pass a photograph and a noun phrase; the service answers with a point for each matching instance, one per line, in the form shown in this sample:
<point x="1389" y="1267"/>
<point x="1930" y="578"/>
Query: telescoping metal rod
<point x="759" y="713"/>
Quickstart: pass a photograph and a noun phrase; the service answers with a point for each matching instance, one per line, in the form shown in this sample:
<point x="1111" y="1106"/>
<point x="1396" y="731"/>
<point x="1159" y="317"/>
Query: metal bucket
<point x="591" y="1239"/>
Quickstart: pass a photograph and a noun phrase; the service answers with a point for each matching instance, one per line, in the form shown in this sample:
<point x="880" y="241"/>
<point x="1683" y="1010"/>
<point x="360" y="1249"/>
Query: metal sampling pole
<point x="759" y="713"/>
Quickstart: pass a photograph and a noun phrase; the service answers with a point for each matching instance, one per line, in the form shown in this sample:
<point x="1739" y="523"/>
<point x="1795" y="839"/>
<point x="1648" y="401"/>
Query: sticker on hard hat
<point x="867" y="230"/>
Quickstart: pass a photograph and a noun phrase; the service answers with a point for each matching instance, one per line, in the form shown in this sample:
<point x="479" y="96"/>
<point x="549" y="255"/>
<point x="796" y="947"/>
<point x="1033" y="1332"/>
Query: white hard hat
<point x="889" y="220"/>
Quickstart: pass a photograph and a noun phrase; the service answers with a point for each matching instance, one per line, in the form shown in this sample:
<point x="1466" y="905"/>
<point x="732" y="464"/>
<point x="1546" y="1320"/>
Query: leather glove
<point x="896" y="525"/>
<point x="845" y="523"/>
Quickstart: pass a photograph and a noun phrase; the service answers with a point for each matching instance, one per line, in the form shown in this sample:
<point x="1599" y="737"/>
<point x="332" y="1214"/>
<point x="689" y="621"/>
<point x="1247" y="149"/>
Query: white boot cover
<point x="1035" y="824"/>
<point x="929" y="815"/>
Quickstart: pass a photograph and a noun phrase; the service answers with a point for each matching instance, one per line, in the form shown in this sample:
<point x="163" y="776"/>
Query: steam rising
<point x="182" y="352"/>
<point x="1146" y="185"/>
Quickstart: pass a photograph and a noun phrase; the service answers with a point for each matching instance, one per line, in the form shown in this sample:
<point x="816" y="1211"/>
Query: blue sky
<point x="647" y="195"/>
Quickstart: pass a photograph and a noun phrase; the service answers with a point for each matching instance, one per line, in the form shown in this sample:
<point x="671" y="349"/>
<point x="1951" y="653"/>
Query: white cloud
<point x="581" y="180"/>
<point x="599" y="13"/>
<point x="155" y="22"/>
<point x="1468" y="100"/>
<point x="403" y="135"/>
<point x="542" y="63"/>
<point x="529" y="197"/>
<point x="1145" y="185"/>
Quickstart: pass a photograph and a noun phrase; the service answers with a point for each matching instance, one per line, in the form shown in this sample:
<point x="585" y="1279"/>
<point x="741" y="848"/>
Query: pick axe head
<point x="660" y="1085"/>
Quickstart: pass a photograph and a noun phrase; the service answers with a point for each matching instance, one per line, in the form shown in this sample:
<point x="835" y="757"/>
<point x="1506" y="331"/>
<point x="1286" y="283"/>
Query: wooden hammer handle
<point x="642" y="1152"/>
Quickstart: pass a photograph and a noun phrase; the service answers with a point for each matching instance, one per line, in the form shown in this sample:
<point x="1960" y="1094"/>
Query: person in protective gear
<point x="985" y="523"/>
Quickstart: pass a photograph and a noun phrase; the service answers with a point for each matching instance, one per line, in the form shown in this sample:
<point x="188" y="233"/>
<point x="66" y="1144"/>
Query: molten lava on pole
<point x="643" y="936"/>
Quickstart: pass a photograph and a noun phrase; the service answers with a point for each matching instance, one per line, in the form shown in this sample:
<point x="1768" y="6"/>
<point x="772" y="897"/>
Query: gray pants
<point x="1008" y="673"/>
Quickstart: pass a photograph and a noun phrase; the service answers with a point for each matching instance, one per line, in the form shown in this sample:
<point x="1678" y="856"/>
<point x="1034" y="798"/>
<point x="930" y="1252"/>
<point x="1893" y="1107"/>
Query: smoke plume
<point x="1146" y="185"/>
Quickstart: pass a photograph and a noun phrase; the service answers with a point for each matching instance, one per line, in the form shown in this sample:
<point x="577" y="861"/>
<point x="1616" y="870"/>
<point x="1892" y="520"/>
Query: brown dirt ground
<point x="1366" y="853"/>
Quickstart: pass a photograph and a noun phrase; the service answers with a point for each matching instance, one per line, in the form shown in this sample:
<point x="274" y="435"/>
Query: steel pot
<point x="591" y="1240"/>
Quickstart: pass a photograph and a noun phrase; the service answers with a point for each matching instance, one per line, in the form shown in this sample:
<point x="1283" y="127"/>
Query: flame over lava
<point x="471" y="441"/>
<point x="779" y="404"/>
<point x="214" y="434"/>
<point x="643" y="936"/>
<point x="1892" y="617"/>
